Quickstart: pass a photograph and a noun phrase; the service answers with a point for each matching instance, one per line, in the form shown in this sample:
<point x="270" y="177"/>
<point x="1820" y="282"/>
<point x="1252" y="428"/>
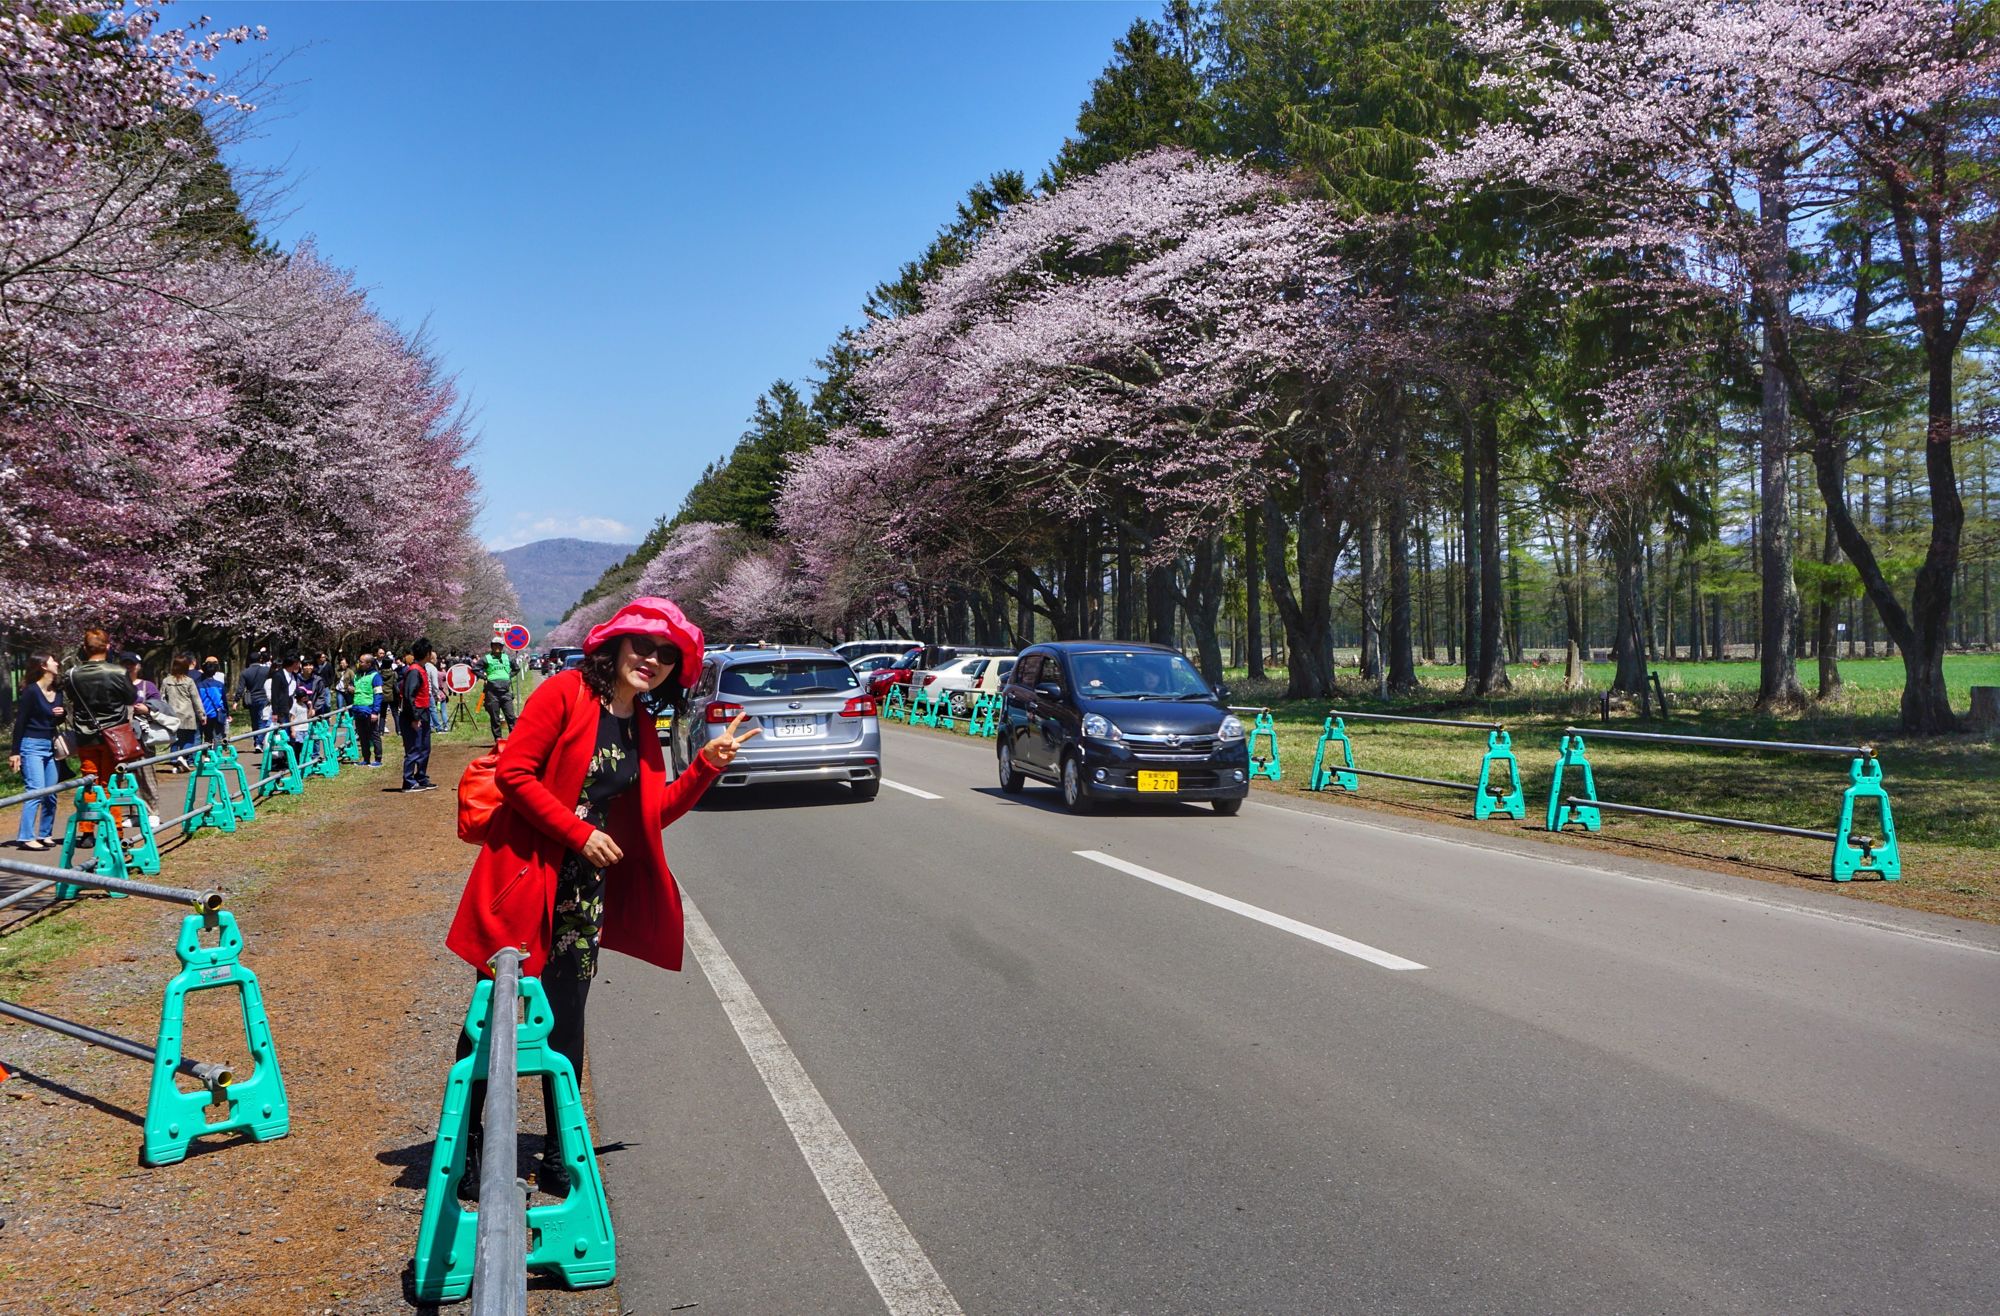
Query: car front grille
<point x="1170" y="749"/>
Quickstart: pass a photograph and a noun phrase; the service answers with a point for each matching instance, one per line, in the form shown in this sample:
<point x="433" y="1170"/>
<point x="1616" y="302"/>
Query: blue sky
<point x="622" y="222"/>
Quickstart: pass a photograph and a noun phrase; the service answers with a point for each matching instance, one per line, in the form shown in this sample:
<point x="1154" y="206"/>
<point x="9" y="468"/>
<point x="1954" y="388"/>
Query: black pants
<point x="500" y="707"/>
<point x="367" y="739"/>
<point x="416" y="727"/>
<point x="567" y="992"/>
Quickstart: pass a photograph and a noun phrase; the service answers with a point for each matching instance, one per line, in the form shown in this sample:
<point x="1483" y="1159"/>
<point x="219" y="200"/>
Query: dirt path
<point x="343" y="897"/>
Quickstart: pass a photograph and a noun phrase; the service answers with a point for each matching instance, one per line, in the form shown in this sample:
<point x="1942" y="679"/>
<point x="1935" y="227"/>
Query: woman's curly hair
<point x="600" y="672"/>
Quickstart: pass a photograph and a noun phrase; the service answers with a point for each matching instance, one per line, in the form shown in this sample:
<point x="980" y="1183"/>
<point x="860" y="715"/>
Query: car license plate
<point x="664" y="722"/>
<point x="1159" y="781"/>
<point x="789" y="727"/>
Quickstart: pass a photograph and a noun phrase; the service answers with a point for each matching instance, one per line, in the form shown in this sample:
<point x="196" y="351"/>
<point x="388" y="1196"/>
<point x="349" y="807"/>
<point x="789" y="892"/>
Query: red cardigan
<point x="510" y="896"/>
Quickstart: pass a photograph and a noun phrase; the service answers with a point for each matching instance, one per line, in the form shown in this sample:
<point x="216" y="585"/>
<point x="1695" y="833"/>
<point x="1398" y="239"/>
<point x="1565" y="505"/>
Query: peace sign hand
<point x="721" y="752"/>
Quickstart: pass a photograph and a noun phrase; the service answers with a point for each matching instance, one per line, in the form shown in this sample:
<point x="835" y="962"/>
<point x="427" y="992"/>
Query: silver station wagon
<point x="816" y="721"/>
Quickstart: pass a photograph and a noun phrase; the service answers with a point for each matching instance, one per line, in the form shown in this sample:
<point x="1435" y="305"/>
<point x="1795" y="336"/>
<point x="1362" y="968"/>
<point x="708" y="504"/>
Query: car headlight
<point x="1098" y="727"/>
<point x="1232" y="728"/>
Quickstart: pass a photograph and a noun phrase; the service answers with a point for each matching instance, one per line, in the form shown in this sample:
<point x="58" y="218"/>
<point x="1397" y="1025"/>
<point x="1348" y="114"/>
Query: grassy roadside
<point x="1945" y="791"/>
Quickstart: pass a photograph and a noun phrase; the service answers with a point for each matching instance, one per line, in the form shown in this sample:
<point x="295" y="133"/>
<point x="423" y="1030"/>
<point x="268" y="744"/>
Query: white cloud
<point x="528" y="527"/>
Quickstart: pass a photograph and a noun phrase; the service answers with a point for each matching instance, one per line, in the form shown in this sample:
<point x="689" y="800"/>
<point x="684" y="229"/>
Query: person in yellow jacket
<point x="497" y="670"/>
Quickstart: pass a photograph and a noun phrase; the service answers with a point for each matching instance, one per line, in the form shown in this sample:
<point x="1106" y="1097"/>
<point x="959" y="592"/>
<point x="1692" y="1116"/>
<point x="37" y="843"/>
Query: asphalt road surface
<point x="970" y="1053"/>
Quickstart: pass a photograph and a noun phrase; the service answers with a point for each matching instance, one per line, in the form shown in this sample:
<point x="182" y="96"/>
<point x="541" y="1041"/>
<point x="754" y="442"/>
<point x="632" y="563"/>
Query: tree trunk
<point x="1828" y="643"/>
<point x="1400" y="631"/>
<point x="1628" y="644"/>
<point x="1492" y="656"/>
<point x="1202" y="604"/>
<point x="1308" y="611"/>
<point x="1253" y="592"/>
<point x="1577" y="643"/>
<point x="1371" y="599"/>
<point x="1778" y="676"/>
<point x="1468" y="507"/>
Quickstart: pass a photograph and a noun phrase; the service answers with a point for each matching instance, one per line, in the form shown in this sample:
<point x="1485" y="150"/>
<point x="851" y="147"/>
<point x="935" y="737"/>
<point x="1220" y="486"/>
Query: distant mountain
<point x="552" y="574"/>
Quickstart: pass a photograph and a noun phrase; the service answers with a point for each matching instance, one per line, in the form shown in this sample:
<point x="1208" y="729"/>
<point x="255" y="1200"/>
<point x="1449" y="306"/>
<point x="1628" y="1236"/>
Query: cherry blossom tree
<point x="1722" y="139"/>
<point x="693" y="562"/>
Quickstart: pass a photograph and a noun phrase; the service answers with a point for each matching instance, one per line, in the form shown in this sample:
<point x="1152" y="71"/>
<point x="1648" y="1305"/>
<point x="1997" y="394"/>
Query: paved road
<point x="1198" y="1071"/>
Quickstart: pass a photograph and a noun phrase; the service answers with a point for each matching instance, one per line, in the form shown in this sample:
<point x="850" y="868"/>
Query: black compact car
<point x="1108" y="720"/>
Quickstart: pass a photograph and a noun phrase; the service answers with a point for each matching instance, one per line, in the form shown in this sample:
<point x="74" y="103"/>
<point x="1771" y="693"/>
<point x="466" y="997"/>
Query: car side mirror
<point x="1048" y="691"/>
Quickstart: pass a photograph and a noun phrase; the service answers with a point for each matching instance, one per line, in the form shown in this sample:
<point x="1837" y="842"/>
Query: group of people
<point x="66" y="709"/>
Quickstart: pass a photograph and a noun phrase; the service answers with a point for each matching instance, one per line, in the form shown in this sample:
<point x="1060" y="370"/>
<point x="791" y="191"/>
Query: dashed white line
<point x="1361" y="950"/>
<point x="910" y="790"/>
<point x="902" y="1272"/>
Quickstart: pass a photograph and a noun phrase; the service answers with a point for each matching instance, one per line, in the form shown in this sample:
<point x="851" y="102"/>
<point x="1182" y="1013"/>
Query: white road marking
<point x="910" y="790"/>
<point x="902" y="1273"/>
<point x="1331" y="940"/>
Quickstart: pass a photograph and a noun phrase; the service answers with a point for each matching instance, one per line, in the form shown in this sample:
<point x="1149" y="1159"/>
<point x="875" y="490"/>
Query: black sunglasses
<point x="645" y="648"/>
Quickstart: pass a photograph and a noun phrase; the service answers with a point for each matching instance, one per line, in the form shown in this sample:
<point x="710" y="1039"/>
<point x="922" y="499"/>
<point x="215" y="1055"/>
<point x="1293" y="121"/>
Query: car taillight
<point x="860" y="706"/>
<point x="721" y="713"/>
<point x="929" y="677"/>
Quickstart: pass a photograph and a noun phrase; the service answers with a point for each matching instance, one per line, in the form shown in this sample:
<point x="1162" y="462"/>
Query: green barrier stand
<point x="91" y="804"/>
<point x="923" y="709"/>
<point x="1341" y="775"/>
<point x="343" y="736"/>
<point x="1878" y="857"/>
<point x="1493" y="798"/>
<point x="572" y="1237"/>
<point x="289" y="780"/>
<point x="1266" y="729"/>
<point x="230" y="765"/>
<point x="175" y="1118"/>
<point x="143" y="854"/>
<point x="941" y="715"/>
<point x="984" y="721"/>
<point x="322" y="753"/>
<point x="1571" y="760"/>
<point x="895" y="707"/>
<point x="218" y="810"/>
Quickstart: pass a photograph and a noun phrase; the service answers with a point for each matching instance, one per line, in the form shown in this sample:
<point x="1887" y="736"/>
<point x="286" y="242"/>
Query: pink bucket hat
<point x="658" y="619"/>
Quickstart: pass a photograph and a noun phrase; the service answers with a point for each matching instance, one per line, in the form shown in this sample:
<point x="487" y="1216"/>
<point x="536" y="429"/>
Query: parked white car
<point x="962" y="679"/>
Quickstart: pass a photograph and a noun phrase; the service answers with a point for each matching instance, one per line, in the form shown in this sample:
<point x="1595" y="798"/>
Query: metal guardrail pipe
<point x="214" y="1075"/>
<point x="1472" y="786"/>
<point x="500" y="1259"/>
<point x="1744" y="824"/>
<point x="1421" y="721"/>
<point x="1723" y="742"/>
<point x="41" y="791"/>
<point x="32" y="889"/>
<point x="205" y="901"/>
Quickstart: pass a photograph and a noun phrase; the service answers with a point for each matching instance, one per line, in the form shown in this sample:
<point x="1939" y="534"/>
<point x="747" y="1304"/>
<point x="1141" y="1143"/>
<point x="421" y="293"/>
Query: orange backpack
<point x="478" y="798"/>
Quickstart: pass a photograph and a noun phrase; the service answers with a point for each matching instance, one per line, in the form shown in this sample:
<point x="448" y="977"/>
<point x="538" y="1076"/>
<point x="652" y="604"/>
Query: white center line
<point x="903" y="1274"/>
<point x="1331" y="940"/>
<point x="910" y="790"/>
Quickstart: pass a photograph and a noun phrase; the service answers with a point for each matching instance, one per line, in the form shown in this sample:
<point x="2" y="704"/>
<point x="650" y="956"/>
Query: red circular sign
<point x="458" y="678"/>
<point x="516" y="638"/>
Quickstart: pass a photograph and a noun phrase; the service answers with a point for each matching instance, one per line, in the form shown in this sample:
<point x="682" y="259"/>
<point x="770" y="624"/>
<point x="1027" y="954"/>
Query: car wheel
<point x="865" y="791"/>
<point x="1011" y="781"/>
<point x="1076" y="797"/>
<point x="1228" y="808"/>
<point x="960" y="705"/>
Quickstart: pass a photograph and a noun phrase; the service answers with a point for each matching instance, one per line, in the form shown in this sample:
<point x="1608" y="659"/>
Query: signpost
<point x="516" y="637"/>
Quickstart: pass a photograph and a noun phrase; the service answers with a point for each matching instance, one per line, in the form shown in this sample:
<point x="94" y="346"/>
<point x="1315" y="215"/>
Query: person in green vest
<point x="497" y="670"/>
<point x="366" y="707"/>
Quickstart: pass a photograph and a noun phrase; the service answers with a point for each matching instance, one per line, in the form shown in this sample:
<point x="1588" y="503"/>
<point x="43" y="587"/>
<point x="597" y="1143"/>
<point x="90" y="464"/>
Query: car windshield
<point x="874" y="664"/>
<point x="1137" y="674"/>
<point x="787" y="676"/>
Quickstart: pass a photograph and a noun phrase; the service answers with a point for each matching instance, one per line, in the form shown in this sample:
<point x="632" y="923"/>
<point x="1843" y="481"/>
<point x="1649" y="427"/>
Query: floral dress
<point x="579" y="916"/>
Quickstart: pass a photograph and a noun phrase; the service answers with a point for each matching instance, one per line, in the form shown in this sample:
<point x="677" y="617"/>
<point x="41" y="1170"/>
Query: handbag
<point x="63" y="746"/>
<point x="123" y="742"/>
<point x="479" y="798"/>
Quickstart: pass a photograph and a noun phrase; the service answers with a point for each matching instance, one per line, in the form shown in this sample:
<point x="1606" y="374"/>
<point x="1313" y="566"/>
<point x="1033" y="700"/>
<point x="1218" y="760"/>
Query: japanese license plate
<point x="1159" y="781"/>
<point x="664" y="722"/>
<point x="788" y="727"/>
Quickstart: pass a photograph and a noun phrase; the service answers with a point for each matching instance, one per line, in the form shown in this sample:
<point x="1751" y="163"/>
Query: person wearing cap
<point x="497" y="670"/>
<point x="572" y="862"/>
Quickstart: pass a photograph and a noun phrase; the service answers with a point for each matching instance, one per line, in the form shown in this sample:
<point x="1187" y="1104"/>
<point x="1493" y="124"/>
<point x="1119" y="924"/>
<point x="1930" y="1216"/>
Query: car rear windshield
<point x="788" y="676"/>
<point x="1140" y="674"/>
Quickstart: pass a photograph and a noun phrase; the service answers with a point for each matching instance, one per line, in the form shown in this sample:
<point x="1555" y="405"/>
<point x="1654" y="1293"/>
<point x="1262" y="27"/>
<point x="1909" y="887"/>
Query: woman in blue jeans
<point x="37" y="715"/>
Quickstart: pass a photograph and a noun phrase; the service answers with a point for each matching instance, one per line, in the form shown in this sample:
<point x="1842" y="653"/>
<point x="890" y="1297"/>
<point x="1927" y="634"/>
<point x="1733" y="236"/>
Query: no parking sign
<point x="516" y="638"/>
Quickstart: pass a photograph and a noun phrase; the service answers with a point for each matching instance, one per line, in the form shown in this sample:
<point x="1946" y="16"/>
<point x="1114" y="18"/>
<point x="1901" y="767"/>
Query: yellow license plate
<point x="664" y="722"/>
<point x="1159" y="781"/>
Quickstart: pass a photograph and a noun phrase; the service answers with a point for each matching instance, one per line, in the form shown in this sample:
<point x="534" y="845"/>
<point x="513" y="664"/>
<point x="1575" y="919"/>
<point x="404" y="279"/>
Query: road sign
<point x="516" y="638"/>
<point x="458" y="678"/>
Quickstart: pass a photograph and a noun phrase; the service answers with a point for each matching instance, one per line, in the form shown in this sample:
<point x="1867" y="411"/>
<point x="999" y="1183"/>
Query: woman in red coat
<point x="572" y="861"/>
